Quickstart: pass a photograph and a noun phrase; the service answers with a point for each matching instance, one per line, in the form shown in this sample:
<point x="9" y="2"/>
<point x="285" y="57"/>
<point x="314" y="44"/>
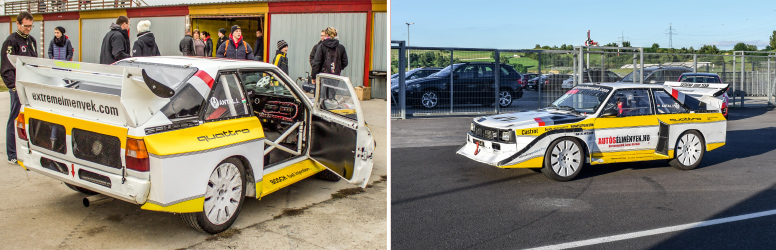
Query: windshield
<point x="699" y="79"/>
<point x="629" y="78"/>
<point x="444" y="72"/>
<point x="264" y="83"/>
<point x="169" y="75"/>
<point x="583" y="99"/>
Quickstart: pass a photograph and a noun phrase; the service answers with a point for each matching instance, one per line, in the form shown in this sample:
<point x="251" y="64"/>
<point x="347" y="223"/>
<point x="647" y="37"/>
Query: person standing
<point x="115" y="45"/>
<point x="280" y="56"/>
<point x="315" y="48"/>
<point x="208" y="44"/>
<point x="235" y="47"/>
<point x="221" y="37"/>
<point x="187" y="43"/>
<point x="19" y="43"/>
<point x="330" y="57"/>
<point x="199" y="45"/>
<point x="145" y="45"/>
<point x="258" y="52"/>
<point x="60" y="47"/>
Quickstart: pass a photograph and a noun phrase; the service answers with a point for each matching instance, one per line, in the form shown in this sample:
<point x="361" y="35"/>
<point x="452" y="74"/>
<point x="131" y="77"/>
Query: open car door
<point x="339" y="138"/>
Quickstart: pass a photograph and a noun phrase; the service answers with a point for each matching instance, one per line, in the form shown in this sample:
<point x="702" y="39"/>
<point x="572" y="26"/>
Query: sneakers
<point x="13" y="162"/>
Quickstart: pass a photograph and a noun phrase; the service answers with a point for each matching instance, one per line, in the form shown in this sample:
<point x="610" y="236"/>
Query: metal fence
<point x="431" y="81"/>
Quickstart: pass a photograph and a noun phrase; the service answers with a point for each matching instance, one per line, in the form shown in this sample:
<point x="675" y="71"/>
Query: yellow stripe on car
<point x="189" y="206"/>
<point x="287" y="176"/>
<point x="206" y="136"/>
<point x="71" y="122"/>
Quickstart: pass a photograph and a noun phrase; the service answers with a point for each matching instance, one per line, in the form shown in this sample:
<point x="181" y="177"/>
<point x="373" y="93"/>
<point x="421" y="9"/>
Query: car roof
<point x="208" y="64"/>
<point x="667" y="67"/>
<point x="625" y="85"/>
<point x="700" y="74"/>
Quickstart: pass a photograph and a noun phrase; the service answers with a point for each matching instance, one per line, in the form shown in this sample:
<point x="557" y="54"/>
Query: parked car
<point x="473" y="83"/>
<point x="597" y="76"/>
<point x="657" y="75"/>
<point x="548" y="82"/>
<point x="415" y="74"/>
<point x="185" y="135"/>
<point x="706" y="78"/>
<point x="523" y="81"/>
<point x="532" y="83"/>
<point x="596" y="124"/>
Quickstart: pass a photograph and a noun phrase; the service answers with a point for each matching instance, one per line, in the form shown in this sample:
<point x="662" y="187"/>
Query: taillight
<point x="546" y="82"/>
<point x="137" y="156"/>
<point x="520" y="81"/>
<point x="20" y="127"/>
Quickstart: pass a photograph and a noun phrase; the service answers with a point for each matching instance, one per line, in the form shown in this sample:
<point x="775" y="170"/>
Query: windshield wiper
<point x="569" y="108"/>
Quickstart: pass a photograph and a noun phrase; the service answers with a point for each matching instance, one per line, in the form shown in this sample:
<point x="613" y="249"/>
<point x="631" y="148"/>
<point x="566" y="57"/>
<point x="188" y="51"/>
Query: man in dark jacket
<point x="145" y="45"/>
<point x="115" y="45"/>
<point x="235" y="47"/>
<point x="19" y="43"/>
<point x="330" y="57"/>
<point x="258" y="52"/>
<point x="221" y="37"/>
<point x="208" y="44"/>
<point x="315" y="48"/>
<point x="280" y="56"/>
<point x="187" y="44"/>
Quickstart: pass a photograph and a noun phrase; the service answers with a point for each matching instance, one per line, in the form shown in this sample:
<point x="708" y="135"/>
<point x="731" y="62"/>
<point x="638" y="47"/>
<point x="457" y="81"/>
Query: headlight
<point x="413" y="86"/>
<point x="472" y="127"/>
<point x="505" y="135"/>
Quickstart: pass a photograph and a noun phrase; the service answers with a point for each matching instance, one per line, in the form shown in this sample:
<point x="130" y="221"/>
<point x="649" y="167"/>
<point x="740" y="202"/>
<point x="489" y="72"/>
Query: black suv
<point x="473" y="83"/>
<point x="658" y="75"/>
<point x="415" y="74"/>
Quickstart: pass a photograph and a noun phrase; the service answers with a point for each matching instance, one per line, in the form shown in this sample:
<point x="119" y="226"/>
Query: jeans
<point x="10" y="130"/>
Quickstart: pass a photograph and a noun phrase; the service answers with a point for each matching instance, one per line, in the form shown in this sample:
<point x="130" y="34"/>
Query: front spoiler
<point x="486" y="152"/>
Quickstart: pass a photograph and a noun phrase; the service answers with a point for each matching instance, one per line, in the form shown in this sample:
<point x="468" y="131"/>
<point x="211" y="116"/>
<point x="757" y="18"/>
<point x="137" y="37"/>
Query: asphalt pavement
<point x="442" y="200"/>
<point x="39" y="212"/>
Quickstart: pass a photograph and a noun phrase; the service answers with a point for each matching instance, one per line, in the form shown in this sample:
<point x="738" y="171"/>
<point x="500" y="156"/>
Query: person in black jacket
<point x="280" y="56"/>
<point x="60" y="47"/>
<point x="221" y="37"/>
<point x="187" y="44"/>
<point x="235" y="47"/>
<point x="115" y="45"/>
<point x="330" y="57"/>
<point x="258" y="52"/>
<point x="315" y="47"/>
<point x="145" y="45"/>
<point x="208" y="44"/>
<point x="19" y="43"/>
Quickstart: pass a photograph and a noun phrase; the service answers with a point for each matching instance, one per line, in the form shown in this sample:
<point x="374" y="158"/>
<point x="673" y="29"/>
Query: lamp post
<point x="408" y="44"/>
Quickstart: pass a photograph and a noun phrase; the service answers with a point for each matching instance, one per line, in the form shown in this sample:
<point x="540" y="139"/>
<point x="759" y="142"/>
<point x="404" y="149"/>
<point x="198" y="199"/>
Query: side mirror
<point x="609" y="113"/>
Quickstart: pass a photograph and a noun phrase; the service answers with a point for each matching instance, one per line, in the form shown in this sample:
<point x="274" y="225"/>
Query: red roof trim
<point x="158" y="11"/>
<point x="61" y="16"/>
<point x="320" y="6"/>
<point x="5" y="19"/>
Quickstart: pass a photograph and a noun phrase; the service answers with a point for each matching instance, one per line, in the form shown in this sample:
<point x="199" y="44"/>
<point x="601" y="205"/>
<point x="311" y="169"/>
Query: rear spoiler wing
<point x="49" y="85"/>
<point x="697" y="96"/>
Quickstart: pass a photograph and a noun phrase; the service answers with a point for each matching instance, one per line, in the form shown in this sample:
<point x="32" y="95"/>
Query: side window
<point x="467" y="71"/>
<point x="613" y="77"/>
<point x="486" y="71"/>
<point x="505" y="73"/>
<point x="186" y="103"/>
<point x="666" y="104"/>
<point x="657" y="76"/>
<point x="335" y="97"/>
<point x="227" y="99"/>
<point x="630" y="102"/>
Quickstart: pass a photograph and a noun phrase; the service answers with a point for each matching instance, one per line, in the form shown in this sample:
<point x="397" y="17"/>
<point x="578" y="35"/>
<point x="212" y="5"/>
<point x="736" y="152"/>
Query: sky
<point x="519" y="24"/>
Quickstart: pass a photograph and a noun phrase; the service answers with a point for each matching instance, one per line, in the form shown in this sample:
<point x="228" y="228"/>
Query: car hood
<point x="530" y="119"/>
<point x="395" y="83"/>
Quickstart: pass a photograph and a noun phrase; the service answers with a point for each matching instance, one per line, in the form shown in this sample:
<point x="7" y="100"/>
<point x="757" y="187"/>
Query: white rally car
<point x="186" y="135"/>
<point x="599" y="124"/>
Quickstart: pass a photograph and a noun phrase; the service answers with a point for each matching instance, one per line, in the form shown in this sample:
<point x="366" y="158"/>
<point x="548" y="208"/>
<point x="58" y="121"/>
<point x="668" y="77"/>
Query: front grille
<point x="98" y="148"/>
<point x="48" y="135"/>
<point x="487" y="133"/>
<point x="54" y="165"/>
<point x="94" y="178"/>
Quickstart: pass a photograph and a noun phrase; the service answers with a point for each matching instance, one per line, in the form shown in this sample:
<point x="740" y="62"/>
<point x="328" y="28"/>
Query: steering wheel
<point x="264" y="81"/>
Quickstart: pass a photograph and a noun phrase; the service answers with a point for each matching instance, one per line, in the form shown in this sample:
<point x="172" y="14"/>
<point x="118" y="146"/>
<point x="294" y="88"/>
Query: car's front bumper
<point x="486" y="151"/>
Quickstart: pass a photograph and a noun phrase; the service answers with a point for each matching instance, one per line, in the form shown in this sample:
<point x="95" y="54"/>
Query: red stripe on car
<point x="205" y="77"/>
<point x="539" y="120"/>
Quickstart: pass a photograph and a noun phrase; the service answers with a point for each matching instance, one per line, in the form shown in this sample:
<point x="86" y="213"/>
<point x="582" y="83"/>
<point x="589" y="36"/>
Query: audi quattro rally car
<point x="186" y="135"/>
<point x="599" y="124"/>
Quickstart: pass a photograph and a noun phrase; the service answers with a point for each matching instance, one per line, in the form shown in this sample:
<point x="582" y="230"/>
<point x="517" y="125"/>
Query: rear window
<point x="699" y="79"/>
<point x="170" y="75"/>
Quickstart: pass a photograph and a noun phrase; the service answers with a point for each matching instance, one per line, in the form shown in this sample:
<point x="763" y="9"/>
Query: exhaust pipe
<point x="97" y="199"/>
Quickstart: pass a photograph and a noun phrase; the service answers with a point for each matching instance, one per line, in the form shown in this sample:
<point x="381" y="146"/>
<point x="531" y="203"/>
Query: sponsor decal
<point x="10" y="50"/>
<point x="24" y="48"/>
<point x="623" y="141"/>
<point x="214" y="102"/>
<point x="82" y="105"/>
<point x="686" y="119"/>
<point x="694" y="85"/>
<point x="583" y="125"/>
<point x="70" y="65"/>
<point x="530" y="131"/>
<point x="288" y="176"/>
<point x="224" y="134"/>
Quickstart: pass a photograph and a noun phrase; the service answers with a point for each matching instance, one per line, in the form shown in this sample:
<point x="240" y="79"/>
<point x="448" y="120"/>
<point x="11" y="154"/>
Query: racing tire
<point x="505" y="98"/>
<point x="563" y="160"/>
<point x="328" y="175"/>
<point x="81" y="190"/>
<point x="689" y="151"/>
<point x="429" y="99"/>
<point x="225" y="194"/>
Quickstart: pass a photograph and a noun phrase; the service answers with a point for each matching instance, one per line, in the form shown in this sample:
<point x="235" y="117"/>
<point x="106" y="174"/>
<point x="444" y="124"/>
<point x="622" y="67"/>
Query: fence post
<point x="402" y="83"/>
<point x="641" y="69"/>
<point x="452" y="71"/>
<point x="538" y="81"/>
<point x="496" y="74"/>
<point x="576" y="72"/>
<point x="694" y="63"/>
<point x="743" y="76"/>
<point x="733" y="83"/>
<point x="768" y="92"/>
